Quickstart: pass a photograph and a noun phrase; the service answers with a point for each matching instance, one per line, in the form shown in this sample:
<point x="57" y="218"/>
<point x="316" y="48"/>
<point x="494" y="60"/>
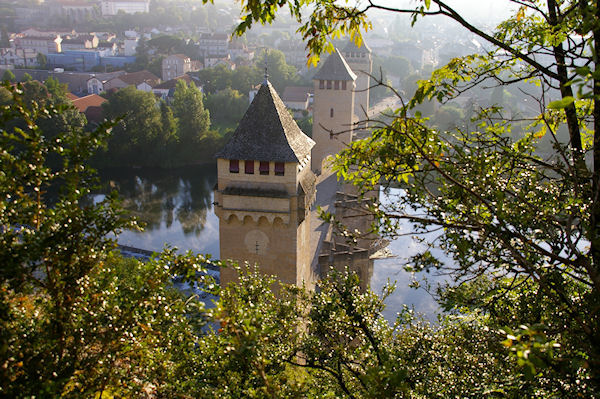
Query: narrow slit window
<point x="263" y="168"/>
<point x="331" y="113"/>
<point x="343" y="85"/>
<point x="329" y="85"/>
<point x="336" y="85"/>
<point x="249" y="167"/>
<point x="279" y="168"/>
<point x="321" y="84"/>
<point x="234" y="166"/>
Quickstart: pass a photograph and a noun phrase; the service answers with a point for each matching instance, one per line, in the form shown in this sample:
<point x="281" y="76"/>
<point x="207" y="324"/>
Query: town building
<point x="80" y="42"/>
<point x="297" y="99"/>
<point x="17" y="57"/>
<point x="96" y="81"/>
<point x="112" y="7"/>
<point x="142" y="80"/>
<point x="166" y="90"/>
<point x="130" y="46"/>
<point x="175" y="65"/>
<point x="213" y="45"/>
<point x="39" y="44"/>
<point x="90" y="106"/>
<point x="72" y="10"/>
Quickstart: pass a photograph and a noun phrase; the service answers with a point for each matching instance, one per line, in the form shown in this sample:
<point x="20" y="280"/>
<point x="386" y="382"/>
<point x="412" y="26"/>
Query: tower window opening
<point x="279" y="168"/>
<point x="331" y="113"/>
<point x="249" y="167"/>
<point x="343" y="85"/>
<point x="329" y="85"/>
<point x="234" y="166"/>
<point x="336" y="85"/>
<point x="263" y="168"/>
<point x="321" y="84"/>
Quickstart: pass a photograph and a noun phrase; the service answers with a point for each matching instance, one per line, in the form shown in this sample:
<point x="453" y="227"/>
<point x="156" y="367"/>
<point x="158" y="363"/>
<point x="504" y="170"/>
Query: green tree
<point x="306" y="124"/>
<point x="188" y="108"/>
<point x="226" y="107"/>
<point x="9" y="76"/>
<point x="5" y="96"/>
<point x="504" y="211"/>
<point x="280" y="73"/>
<point x="448" y="117"/>
<point x="58" y="91"/>
<point x="397" y="65"/>
<point x="136" y="136"/>
<point x="34" y="91"/>
<point x="4" y="37"/>
<point x="77" y="320"/>
<point x="344" y="348"/>
<point x="168" y="133"/>
<point x="142" y="54"/>
<point x="42" y="60"/>
<point x="167" y="44"/>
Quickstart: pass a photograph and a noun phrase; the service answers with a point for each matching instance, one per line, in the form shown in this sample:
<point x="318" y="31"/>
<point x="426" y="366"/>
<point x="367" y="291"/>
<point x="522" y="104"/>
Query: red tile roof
<point x="136" y="78"/>
<point x="83" y="103"/>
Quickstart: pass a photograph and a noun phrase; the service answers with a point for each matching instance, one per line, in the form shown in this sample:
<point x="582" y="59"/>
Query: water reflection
<point x="175" y="206"/>
<point x="390" y="270"/>
<point x="177" y="209"/>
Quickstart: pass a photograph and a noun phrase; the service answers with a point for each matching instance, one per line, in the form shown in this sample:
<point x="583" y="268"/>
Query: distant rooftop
<point x="83" y="103"/>
<point x="171" y="84"/>
<point x="352" y="47"/>
<point x="296" y="93"/>
<point x="335" y="67"/>
<point x="135" y="78"/>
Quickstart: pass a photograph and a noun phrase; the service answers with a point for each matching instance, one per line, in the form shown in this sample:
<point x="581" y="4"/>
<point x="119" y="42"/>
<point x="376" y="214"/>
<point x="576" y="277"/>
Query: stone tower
<point x="264" y="191"/>
<point x="333" y="111"/>
<point x="360" y="61"/>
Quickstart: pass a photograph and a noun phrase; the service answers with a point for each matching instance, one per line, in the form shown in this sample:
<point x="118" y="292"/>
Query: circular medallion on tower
<point x="257" y="242"/>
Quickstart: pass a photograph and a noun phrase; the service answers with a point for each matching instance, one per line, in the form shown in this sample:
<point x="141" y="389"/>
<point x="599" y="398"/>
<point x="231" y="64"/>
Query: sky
<point x="479" y="10"/>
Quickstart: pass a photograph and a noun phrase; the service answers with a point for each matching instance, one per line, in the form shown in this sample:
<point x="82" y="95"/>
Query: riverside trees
<point x="148" y="133"/>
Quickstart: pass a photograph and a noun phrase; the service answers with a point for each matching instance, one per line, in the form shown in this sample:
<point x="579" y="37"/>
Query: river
<point x="176" y="208"/>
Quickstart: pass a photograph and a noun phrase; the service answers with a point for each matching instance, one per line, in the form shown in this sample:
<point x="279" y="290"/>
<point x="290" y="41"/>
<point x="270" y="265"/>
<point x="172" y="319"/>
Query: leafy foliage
<point x="78" y="320"/>
<point x="509" y="213"/>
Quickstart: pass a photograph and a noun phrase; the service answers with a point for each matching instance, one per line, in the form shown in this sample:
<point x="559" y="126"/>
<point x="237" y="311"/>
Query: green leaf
<point x="561" y="104"/>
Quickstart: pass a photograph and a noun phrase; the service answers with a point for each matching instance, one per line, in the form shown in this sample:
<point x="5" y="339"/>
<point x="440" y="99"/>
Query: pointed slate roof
<point x="352" y="47"/>
<point x="267" y="132"/>
<point x="335" y="68"/>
